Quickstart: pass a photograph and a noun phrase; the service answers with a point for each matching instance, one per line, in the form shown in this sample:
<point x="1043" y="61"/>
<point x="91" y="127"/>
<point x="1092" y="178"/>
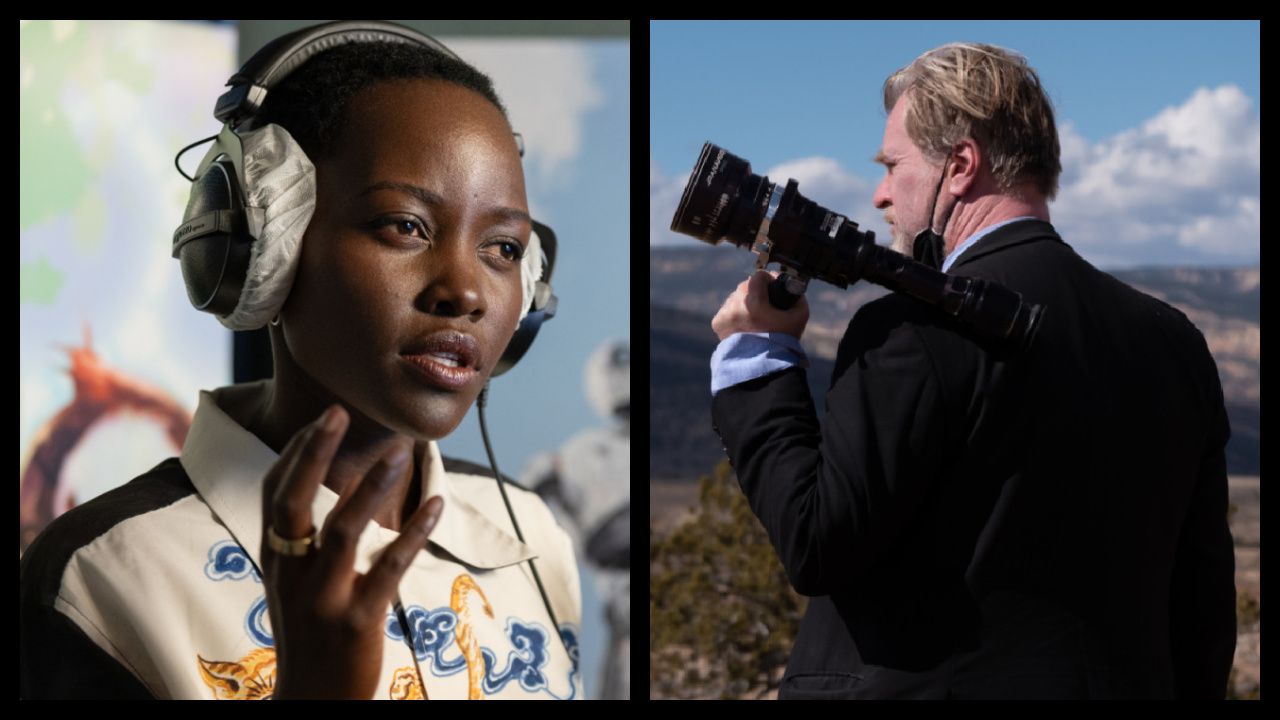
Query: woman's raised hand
<point x="329" y="620"/>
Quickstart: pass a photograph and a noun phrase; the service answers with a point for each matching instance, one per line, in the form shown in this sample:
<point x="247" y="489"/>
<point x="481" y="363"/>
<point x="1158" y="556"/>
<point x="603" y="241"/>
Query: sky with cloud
<point x="1159" y="122"/>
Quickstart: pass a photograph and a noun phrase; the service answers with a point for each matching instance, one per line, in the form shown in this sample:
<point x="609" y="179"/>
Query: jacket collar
<point x="227" y="465"/>
<point x="1016" y="233"/>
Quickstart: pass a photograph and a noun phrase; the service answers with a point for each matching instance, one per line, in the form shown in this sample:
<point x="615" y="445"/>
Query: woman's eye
<point x="509" y="250"/>
<point x="404" y="226"/>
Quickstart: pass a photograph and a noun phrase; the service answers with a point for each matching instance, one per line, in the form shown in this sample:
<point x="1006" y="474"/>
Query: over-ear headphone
<point x="214" y="243"/>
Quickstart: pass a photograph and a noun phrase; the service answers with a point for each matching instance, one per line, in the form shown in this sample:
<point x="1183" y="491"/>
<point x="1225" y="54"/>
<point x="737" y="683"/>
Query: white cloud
<point x="548" y="88"/>
<point x="1184" y="186"/>
<point x="664" y="195"/>
<point x="1224" y="233"/>
<point x="825" y="182"/>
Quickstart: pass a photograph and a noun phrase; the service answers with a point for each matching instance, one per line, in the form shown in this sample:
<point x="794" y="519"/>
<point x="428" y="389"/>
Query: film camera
<point x="724" y="200"/>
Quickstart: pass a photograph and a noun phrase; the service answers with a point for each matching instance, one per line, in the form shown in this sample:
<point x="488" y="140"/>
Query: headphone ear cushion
<point x="538" y="297"/>
<point x="531" y="274"/>
<point x="214" y="264"/>
<point x="524" y="335"/>
<point x="239" y="241"/>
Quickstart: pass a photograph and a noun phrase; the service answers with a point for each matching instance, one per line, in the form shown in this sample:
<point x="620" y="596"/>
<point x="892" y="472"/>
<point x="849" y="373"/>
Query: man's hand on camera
<point x="748" y="310"/>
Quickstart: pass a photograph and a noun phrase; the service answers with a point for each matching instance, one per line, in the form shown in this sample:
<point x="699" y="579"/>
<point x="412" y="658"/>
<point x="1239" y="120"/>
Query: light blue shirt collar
<point x="955" y="253"/>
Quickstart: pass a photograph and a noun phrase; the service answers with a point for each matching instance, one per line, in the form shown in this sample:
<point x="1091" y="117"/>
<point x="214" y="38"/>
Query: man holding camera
<point x="973" y="521"/>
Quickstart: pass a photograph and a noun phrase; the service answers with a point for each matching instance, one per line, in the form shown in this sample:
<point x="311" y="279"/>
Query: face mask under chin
<point x="928" y="248"/>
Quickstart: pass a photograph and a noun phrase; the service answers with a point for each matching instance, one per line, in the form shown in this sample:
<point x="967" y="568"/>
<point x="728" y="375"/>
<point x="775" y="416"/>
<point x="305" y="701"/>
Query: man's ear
<point x="967" y="158"/>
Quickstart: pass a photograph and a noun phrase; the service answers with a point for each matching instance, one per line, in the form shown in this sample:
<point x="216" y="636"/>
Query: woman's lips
<point x="442" y="370"/>
<point x="449" y="346"/>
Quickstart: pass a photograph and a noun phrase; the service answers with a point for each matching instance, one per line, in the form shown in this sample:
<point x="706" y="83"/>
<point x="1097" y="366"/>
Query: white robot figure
<point x="588" y="482"/>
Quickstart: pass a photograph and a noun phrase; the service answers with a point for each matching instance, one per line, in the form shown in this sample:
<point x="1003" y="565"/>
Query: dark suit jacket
<point x="975" y="523"/>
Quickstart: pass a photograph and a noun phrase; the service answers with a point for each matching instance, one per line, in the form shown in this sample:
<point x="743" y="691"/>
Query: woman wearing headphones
<point x="310" y="541"/>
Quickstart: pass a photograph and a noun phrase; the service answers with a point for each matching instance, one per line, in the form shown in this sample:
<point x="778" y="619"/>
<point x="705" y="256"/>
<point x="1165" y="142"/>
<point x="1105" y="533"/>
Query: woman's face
<point x="408" y="286"/>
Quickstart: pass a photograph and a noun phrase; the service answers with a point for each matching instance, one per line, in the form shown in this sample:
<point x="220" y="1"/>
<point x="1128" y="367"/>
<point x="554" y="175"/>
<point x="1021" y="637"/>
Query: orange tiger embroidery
<point x="405" y="685"/>
<point x="464" y="585"/>
<point x="253" y="678"/>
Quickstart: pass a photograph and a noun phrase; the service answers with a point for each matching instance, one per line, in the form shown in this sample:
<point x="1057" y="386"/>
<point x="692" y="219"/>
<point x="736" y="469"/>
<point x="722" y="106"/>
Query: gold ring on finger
<point x="290" y="548"/>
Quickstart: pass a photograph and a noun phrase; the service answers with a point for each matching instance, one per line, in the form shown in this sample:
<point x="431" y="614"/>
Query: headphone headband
<point x="280" y="57"/>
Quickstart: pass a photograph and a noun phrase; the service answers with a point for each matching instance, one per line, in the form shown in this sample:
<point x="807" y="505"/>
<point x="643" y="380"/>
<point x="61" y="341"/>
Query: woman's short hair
<point x="311" y="103"/>
<point x="986" y="93"/>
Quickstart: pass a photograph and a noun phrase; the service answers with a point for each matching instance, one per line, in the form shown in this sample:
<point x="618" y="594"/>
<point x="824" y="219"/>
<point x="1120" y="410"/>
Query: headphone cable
<point x="178" y="157"/>
<point x="484" y="433"/>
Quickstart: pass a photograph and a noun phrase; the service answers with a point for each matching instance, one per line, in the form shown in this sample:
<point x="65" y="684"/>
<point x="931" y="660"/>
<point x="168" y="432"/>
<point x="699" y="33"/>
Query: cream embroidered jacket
<point x="153" y="589"/>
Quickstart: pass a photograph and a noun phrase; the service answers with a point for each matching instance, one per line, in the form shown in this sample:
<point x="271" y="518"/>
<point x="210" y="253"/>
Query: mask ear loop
<point x="929" y="246"/>
<point x="950" y="210"/>
<point x="937" y="194"/>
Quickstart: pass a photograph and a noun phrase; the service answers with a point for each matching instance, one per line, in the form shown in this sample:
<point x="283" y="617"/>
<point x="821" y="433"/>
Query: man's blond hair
<point x="986" y="93"/>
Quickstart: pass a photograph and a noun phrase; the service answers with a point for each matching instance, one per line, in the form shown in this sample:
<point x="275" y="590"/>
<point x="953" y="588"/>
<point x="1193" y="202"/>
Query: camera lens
<point x="722" y="200"/>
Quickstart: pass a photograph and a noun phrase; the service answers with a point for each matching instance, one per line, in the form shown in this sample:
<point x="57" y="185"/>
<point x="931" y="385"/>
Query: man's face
<point x="907" y="191"/>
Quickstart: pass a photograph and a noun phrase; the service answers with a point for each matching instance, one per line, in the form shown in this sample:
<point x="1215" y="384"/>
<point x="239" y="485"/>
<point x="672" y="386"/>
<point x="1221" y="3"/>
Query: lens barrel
<point x="723" y="199"/>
